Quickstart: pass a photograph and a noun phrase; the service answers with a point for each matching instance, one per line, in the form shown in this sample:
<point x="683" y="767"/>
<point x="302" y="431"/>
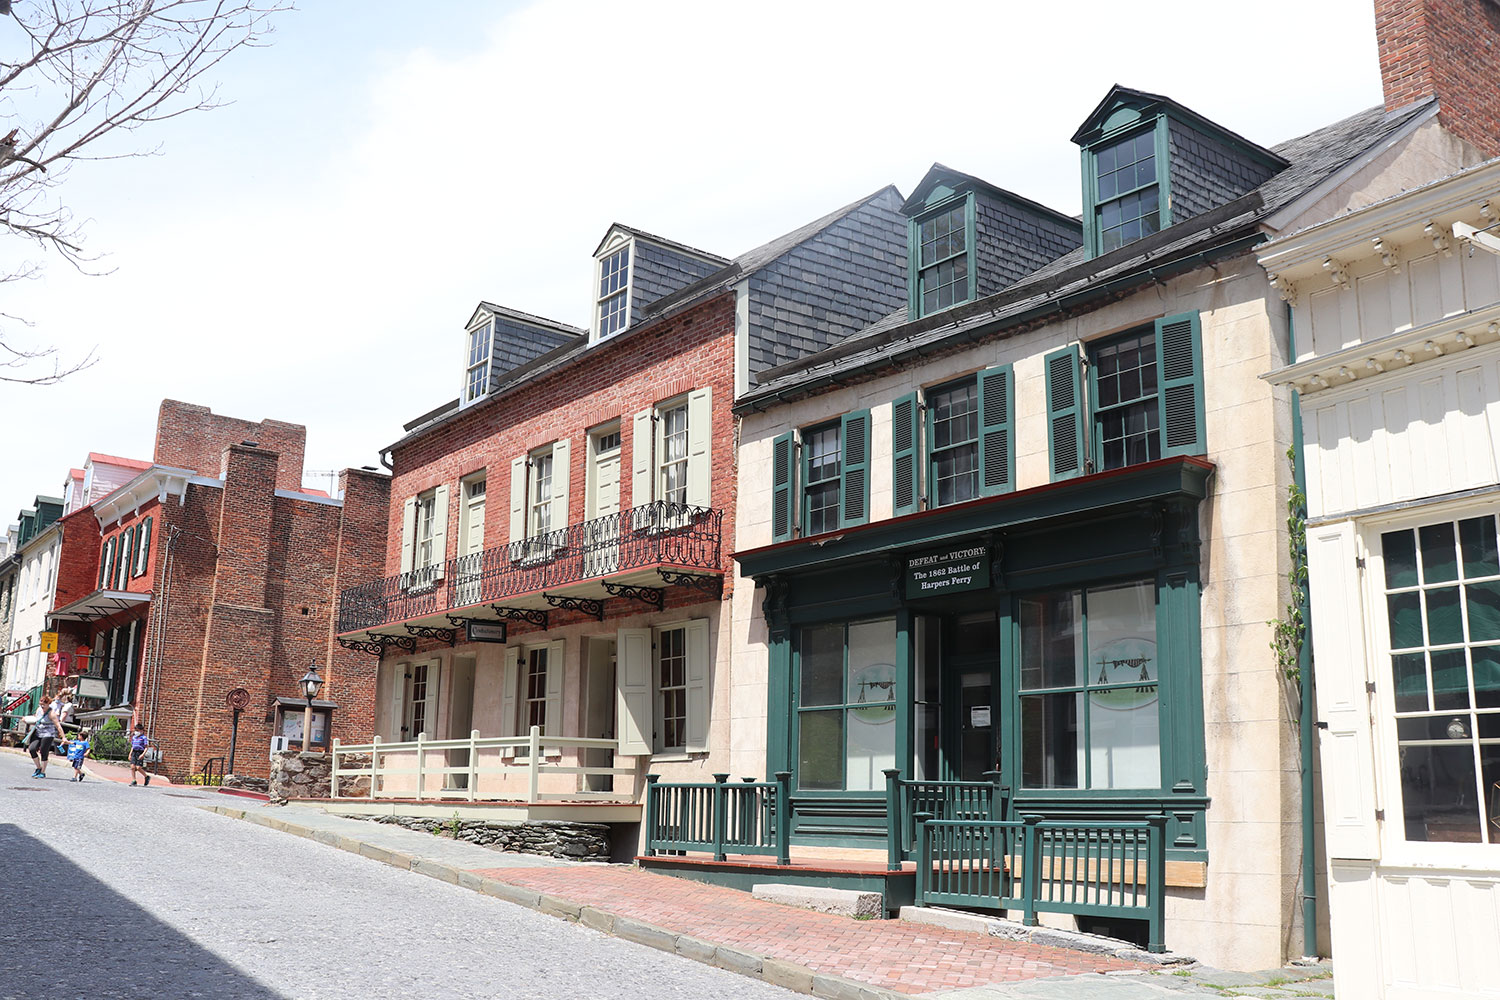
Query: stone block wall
<point x="552" y="839"/>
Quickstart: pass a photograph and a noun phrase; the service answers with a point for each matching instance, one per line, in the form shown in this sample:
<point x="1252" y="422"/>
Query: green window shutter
<point x="1179" y="364"/>
<point x="855" y="505"/>
<point x="782" y="476"/>
<point x="1065" y="437"/>
<point x="997" y="460"/>
<point x="906" y="446"/>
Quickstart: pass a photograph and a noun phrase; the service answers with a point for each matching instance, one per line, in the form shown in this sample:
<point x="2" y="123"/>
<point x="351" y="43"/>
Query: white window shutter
<point x="642" y="460"/>
<point x="510" y="684"/>
<point x="556" y="671"/>
<point x="408" y="533"/>
<point x="440" y="529"/>
<point x="398" y="702"/>
<point x="517" y="502"/>
<point x="700" y="451"/>
<point x="699" y="669"/>
<point x="560" y="485"/>
<point x="1343" y="704"/>
<point x="633" y="687"/>
<point x="430" y="711"/>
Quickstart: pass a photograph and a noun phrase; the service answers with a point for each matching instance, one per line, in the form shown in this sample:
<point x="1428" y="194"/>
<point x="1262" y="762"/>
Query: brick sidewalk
<point x="891" y="954"/>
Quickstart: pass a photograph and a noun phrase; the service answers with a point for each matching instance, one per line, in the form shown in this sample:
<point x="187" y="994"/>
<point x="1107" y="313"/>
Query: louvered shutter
<point x="103" y="564"/>
<point x="642" y="452"/>
<point x="561" y="461"/>
<point x="440" y="531"/>
<point x="432" y="701"/>
<point x="1179" y="364"/>
<point x="517" y="506"/>
<point x="1343" y="704"/>
<point x="408" y="533"/>
<point x="997" y="460"/>
<point x="783" y="486"/>
<point x="906" y="449"/>
<point x="398" y="702"/>
<point x="700" y="662"/>
<point x="510" y="685"/>
<point x="145" y="548"/>
<point x="114" y="551"/>
<point x="556" y="671"/>
<point x="1065" y="437"/>
<point x="127" y="556"/>
<point x="854" y="507"/>
<point x="700" y="455"/>
<point x="633" y="686"/>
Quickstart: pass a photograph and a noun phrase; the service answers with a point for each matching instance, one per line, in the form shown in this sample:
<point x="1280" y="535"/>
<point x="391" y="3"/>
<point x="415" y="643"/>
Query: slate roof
<point x="660" y="241"/>
<point x="714" y="284"/>
<point x="1072" y="280"/>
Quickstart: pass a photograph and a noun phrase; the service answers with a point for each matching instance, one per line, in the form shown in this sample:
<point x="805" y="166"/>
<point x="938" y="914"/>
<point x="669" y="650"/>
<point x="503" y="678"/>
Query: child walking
<point x="138" y="755"/>
<point x="78" y="748"/>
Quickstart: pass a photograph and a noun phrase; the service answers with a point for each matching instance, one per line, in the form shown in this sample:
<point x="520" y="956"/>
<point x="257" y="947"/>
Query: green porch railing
<point x="956" y="800"/>
<point x="752" y="817"/>
<point x="1106" y="869"/>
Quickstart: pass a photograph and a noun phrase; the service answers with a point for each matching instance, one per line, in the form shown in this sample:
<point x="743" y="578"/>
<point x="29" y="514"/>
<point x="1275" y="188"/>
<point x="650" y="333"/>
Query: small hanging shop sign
<point x="960" y="567"/>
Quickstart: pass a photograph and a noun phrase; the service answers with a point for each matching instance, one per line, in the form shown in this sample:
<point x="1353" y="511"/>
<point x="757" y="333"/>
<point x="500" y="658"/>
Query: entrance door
<point x="972" y="665"/>
<point x="976" y="726"/>
<point x="471" y="542"/>
<point x="604" y="504"/>
<point x="599" y="718"/>
<point x="460" y="718"/>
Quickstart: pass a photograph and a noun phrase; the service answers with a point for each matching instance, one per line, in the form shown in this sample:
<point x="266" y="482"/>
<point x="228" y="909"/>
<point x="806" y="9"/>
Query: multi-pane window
<point x="476" y="381"/>
<point x="1126" y="201"/>
<point x="417" y="699"/>
<point x="539" y="512"/>
<point x="614" y="292"/>
<point x="943" y="260"/>
<point x="1442" y="596"/>
<point x="673" y="460"/>
<point x="822" y="452"/>
<point x="426" y="552"/>
<point x="1089" y="712"/>
<point x="671" y="689"/>
<point x="604" y="443"/>
<point x="534" y="705"/>
<point x="1126" y="411"/>
<point x="846" y="705"/>
<point x="954" y="415"/>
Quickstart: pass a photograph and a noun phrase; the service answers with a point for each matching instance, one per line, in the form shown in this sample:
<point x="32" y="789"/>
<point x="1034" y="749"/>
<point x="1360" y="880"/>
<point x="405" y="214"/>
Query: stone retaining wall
<point x="299" y="775"/>
<point x="551" y="838"/>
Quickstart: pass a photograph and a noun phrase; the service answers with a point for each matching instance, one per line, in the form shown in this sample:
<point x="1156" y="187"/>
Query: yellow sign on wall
<point x="49" y="642"/>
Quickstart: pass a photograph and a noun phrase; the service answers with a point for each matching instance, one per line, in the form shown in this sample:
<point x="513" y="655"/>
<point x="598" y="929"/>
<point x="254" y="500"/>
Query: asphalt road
<point x="116" y="892"/>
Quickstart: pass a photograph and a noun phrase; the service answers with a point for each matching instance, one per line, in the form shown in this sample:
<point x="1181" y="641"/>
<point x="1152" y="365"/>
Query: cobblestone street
<point x="133" y="892"/>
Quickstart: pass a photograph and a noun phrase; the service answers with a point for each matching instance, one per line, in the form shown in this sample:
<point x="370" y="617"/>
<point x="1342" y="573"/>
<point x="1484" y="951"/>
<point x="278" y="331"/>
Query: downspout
<point x="1305" y="682"/>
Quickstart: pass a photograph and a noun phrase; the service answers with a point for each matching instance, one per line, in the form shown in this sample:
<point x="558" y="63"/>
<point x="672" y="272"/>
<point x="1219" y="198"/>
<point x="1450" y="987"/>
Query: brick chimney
<point x="1448" y="49"/>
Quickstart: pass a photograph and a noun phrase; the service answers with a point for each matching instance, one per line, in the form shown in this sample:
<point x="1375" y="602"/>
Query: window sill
<point x="682" y="757"/>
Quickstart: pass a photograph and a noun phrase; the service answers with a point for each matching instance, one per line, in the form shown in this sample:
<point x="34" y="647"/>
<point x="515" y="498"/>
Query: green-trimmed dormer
<point x="968" y="239"/>
<point x="1149" y="162"/>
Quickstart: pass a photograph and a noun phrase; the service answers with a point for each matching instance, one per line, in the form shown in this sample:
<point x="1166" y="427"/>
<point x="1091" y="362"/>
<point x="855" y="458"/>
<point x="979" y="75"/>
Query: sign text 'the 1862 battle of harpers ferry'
<point x="962" y="566"/>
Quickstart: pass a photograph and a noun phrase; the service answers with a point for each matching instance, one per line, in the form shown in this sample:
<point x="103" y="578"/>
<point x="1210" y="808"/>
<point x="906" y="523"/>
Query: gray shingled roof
<point x="660" y="240"/>
<point x="1312" y="158"/>
<point x="717" y="283"/>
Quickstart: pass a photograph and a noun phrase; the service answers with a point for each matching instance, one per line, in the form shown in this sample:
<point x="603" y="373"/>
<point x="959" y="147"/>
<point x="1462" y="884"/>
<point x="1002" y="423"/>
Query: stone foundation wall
<point x="299" y="775"/>
<point x="247" y="782"/>
<point x="569" y="841"/>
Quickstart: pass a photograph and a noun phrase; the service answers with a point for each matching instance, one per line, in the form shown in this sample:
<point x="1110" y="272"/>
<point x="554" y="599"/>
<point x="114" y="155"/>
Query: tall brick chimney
<point x="1448" y="49"/>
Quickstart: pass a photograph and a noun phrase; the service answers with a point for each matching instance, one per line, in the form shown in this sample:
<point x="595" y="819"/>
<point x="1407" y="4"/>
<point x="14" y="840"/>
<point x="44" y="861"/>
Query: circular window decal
<point x="872" y="691"/>
<point x="1123" y="661"/>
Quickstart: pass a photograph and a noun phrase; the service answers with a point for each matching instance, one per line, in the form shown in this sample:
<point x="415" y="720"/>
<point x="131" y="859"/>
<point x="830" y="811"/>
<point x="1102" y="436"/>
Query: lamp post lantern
<point x="310" y="684"/>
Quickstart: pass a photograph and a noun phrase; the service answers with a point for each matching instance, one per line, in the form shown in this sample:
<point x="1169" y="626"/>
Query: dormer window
<point x="1127" y="201"/>
<point x="614" y="292"/>
<point x="943" y="268"/>
<point x="477" y="373"/>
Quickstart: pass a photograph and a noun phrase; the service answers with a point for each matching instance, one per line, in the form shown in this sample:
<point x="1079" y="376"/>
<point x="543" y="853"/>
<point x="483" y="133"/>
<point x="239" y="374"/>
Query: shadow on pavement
<point x="65" y="934"/>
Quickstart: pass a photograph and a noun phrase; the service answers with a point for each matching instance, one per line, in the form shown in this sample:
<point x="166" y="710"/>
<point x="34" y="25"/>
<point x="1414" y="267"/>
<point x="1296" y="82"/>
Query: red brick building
<point x="213" y="570"/>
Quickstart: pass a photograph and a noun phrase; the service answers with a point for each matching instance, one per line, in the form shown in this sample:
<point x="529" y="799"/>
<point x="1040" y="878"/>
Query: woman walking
<point x="48" y="729"/>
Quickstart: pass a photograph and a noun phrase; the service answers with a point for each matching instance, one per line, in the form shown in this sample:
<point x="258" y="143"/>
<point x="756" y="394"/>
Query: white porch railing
<point x="487" y="756"/>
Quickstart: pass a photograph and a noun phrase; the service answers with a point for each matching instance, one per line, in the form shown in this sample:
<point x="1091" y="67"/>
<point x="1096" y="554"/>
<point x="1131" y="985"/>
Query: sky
<point x="311" y="251"/>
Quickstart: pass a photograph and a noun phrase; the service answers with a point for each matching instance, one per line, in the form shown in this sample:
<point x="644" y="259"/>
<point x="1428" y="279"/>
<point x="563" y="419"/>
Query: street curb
<point x="788" y="975"/>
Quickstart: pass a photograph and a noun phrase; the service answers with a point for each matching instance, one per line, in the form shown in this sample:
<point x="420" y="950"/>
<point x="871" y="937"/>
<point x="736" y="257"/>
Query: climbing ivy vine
<point x="1288" y="633"/>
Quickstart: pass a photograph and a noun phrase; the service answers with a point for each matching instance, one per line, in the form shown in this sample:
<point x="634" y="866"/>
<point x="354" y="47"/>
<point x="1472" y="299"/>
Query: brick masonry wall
<point x="1449" y="49"/>
<point x="616" y="381"/>
<point x="189" y="436"/>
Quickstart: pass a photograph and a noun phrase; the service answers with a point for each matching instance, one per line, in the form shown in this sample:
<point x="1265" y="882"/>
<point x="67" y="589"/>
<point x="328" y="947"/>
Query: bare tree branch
<point x="73" y="73"/>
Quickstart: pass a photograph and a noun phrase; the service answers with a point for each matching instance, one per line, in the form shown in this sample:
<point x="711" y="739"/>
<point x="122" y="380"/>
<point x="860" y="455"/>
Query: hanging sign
<point x="484" y="631"/>
<point x="960" y="567"/>
<point x="49" y="642"/>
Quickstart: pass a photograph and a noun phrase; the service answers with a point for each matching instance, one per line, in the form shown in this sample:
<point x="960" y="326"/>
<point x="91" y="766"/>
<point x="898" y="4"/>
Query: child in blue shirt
<point x="138" y="754"/>
<point x="78" y="748"/>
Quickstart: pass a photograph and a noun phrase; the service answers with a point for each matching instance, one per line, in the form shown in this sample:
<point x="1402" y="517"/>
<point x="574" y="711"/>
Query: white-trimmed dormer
<point x="633" y="269"/>
<point x="612" y="270"/>
<point x="497" y="340"/>
<point x="479" y="341"/>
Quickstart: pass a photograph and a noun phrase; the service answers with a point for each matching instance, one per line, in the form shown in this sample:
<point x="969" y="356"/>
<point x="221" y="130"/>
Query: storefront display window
<point x="1442" y="597"/>
<point x="1089" y="705"/>
<point x="847" y="708"/>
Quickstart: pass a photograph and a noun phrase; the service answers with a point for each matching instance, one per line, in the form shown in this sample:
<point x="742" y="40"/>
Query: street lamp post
<point x="310" y="684"/>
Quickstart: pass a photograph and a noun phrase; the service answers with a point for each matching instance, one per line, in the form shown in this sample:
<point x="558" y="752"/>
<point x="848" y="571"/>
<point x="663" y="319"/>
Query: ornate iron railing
<point x="1115" y="869"/>
<point x="655" y="534"/>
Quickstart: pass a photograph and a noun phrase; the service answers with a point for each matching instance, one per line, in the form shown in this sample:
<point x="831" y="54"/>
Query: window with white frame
<point x="477" y="370"/>
<point x="424" y="537"/>
<point x="614" y="293"/>
<point x="426" y="554"/>
<point x="539" y="500"/>
<point x="534" y="700"/>
<point x="663" y="693"/>
<point x="672" y="458"/>
<point x="671" y="689"/>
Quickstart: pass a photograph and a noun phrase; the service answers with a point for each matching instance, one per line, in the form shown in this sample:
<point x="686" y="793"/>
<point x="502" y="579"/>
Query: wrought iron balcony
<point x="633" y="553"/>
